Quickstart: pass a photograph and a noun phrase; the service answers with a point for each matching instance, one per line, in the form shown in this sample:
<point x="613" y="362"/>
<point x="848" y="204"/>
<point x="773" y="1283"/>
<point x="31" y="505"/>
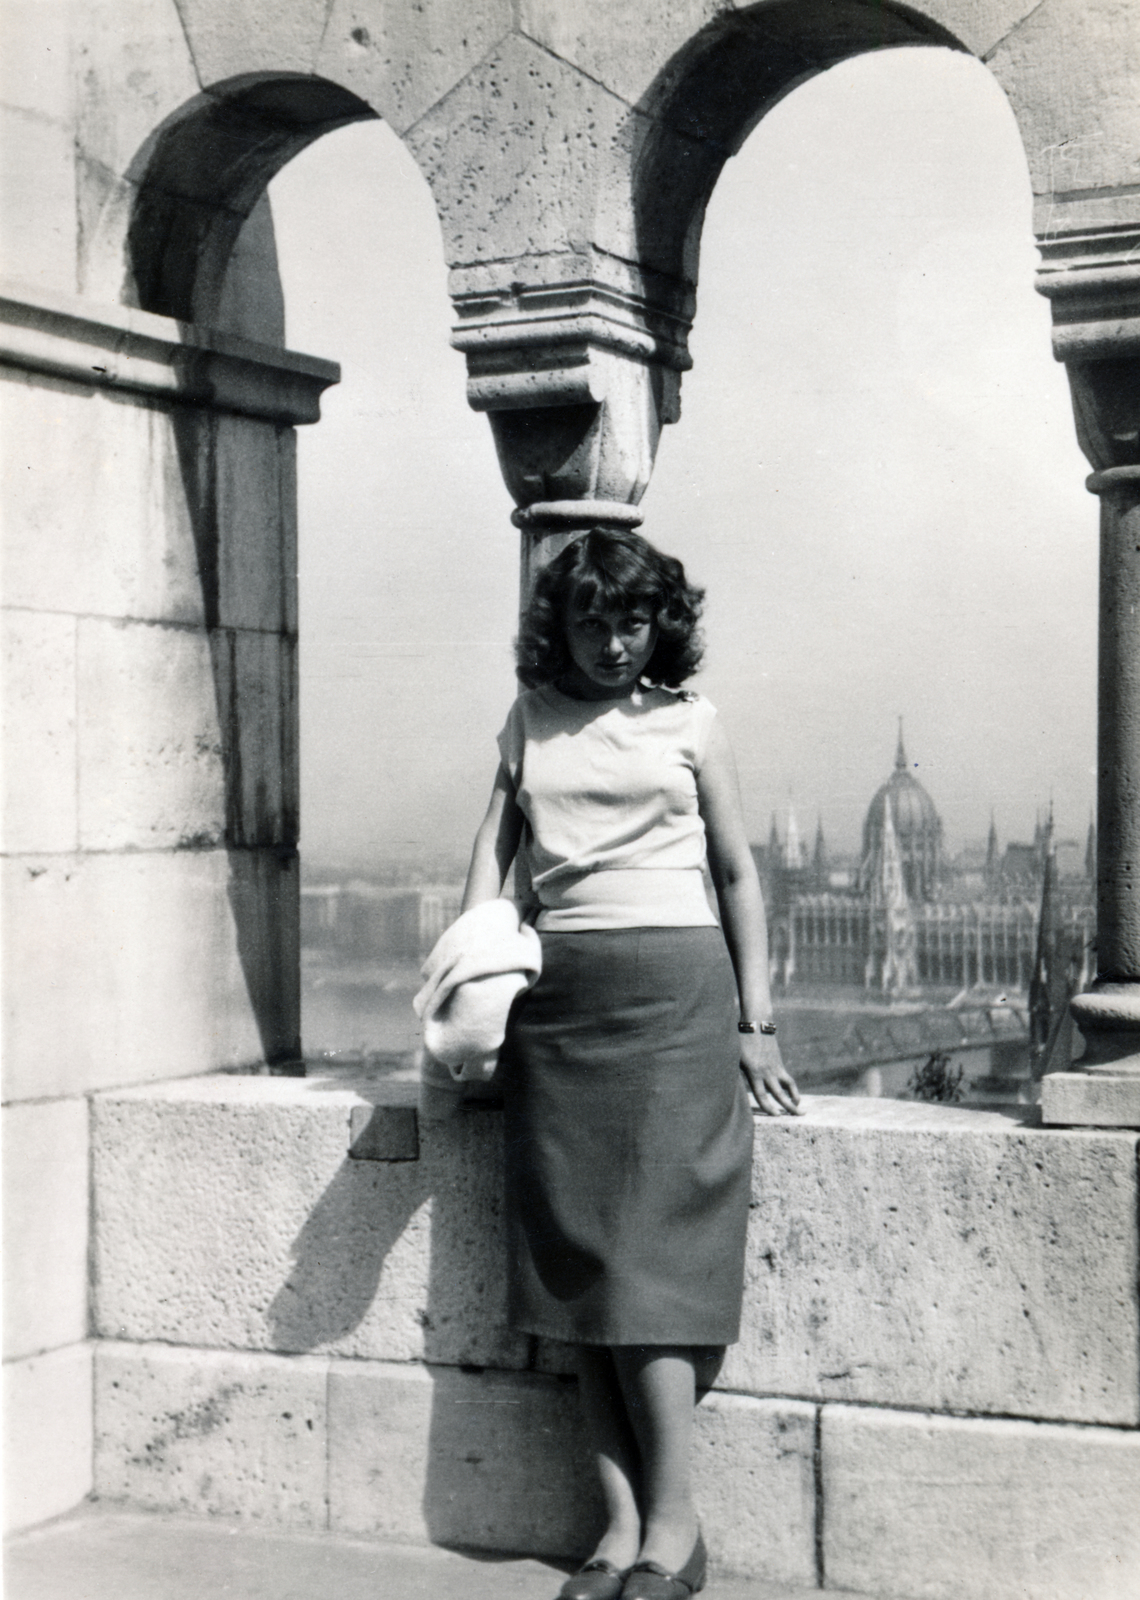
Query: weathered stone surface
<point x="1070" y="73"/>
<point x="1082" y="1099"/>
<point x="609" y="39"/>
<point x="252" y="300"/>
<point x="47" y="1435"/>
<point x="132" y="70"/>
<point x="493" y="1460"/>
<point x="383" y="1260"/>
<point x="105" y="529"/>
<point x="754" y="1482"/>
<point x="37" y="201"/>
<point x="121" y="968"/>
<point x="934" y="1508"/>
<point x="256" y="686"/>
<point x="251" y="551"/>
<point x="35" y="65"/>
<point x="260" y="36"/>
<point x="944" y="1258"/>
<point x="150" y="745"/>
<point x="45" y="1226"/>
<point x="546" y="123"/>
<point x="39" y="731"/>
<point x="212" y="1432"/>
<point x="978" y="24"/>
<point x="611" y="42"/>
<point x="384" y="1133"/>
<point x="401" y="60"/>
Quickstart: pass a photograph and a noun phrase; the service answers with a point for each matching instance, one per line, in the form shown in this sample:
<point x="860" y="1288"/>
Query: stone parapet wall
<point x="303" y="1301"/>
<point x="902" y="1255"/>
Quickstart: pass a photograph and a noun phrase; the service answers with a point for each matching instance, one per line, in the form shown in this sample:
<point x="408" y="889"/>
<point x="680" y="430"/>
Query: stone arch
<point x="201" y="175"/>
<point x="713" y="92"/>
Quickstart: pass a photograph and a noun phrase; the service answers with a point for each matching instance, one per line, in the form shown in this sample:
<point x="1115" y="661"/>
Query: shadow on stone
<point x="339" y="1254"/>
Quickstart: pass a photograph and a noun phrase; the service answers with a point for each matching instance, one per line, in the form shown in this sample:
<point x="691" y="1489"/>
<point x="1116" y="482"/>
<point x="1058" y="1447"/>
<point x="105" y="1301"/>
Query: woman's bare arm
<point x="495" y="844"/>
<point x="742" y="918"/>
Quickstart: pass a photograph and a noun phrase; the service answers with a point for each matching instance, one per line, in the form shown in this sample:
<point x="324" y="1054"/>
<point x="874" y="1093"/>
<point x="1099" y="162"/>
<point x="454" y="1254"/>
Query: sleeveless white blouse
<point x="608" y="789"/>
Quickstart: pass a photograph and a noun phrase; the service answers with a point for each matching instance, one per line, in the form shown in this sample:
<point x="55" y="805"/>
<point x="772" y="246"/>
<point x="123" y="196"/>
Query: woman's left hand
<point x="773" y="1087"/>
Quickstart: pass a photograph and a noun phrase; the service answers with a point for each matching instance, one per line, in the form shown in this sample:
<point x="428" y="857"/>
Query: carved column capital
<point x="578" y="373"/>
<point x="1092" y="280"/>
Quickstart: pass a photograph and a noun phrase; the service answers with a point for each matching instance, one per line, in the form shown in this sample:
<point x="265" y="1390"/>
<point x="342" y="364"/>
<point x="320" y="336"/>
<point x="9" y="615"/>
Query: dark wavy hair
<point x="611" y="570"/>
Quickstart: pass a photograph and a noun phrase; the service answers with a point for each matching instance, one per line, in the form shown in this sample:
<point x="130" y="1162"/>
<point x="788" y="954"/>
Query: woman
<point x="629" y="1133"/>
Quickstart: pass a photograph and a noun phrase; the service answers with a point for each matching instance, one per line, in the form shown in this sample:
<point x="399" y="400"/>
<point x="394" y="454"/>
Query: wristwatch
<point x="755" y="1027"/>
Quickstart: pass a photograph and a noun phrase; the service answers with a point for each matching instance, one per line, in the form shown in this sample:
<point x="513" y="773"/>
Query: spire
<point x="793" y="849"/>
<point x="992" y="852"/>
<point x="1047" y="992"/>
<point x="773" y="842"/>
<point x="819" y="857"/>
<point x="900" y="753"/>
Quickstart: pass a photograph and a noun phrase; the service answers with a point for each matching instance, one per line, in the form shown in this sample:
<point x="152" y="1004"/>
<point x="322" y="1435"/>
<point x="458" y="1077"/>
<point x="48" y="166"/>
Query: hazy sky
<point x="875" y="476"/>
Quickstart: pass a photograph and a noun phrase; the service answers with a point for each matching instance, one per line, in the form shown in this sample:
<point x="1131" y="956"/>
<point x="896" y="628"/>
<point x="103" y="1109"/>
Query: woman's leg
<point x="615" y="1454"/>
<point x="659" y="1387"/>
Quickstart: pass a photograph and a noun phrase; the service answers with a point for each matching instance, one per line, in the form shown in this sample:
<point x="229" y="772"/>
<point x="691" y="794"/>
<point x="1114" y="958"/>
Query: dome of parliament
<point x="917" y="828"/>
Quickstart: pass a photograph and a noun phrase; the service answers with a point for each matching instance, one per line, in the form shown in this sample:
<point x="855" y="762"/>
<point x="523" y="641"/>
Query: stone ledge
<point x="945" y="1506"/>
<point x="214" y="1432"/>
<point x="491" y="1460"/>
<point x="879" y="1231"/>
<point x="117" y="347"/>
<point x="1090" y="1100"/>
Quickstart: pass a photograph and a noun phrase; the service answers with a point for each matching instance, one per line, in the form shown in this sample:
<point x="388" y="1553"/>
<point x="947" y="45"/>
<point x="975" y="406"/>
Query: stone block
<point x="403" y="59"/>
<point x="45" y="1226"/>
<point x="47" y="1435"/>
<point x="1090" y="1100"/>
<point x="133" y="71"/>
<point x="35" y="63"/>
<point x="212" y="1432"/>
<point x="384" y="1133"/>
<point x="256" y="685"/>
<point x="104" y="527"/>
<point x="253" y="542"/>
<point x="546" y="122"/>
<point x="754" y="1483"/>
<point x="499" y="1461"/>
<point x="39" y="731"/>
<point x="1070" y="74"/>
<point x="611" y="42"/>
<point x="934" y="1508"/>
<point x="492" y="1460"/>
<point x="151" y="773"/>
<point x="393" y="1261"/>
<point x="37" y="201"/>
<point x="123" y="968"/>
<point x="259" y="36"/>
<point x="942" y="1258"/>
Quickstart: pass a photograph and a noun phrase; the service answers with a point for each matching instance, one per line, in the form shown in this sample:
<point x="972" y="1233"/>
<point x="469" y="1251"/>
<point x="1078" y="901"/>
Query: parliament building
<point x="908" y="919"/>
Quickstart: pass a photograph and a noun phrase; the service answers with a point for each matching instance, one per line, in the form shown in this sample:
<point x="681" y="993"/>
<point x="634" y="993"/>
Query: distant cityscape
<point x="882" y="962"/>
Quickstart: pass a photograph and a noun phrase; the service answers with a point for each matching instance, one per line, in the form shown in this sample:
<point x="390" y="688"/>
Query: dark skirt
<point x="628" y="1141"/>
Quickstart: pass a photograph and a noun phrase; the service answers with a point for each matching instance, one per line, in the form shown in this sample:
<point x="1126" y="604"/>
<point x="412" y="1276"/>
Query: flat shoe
<point x="597" y="1580"/>
<point x="648" y="1581"/>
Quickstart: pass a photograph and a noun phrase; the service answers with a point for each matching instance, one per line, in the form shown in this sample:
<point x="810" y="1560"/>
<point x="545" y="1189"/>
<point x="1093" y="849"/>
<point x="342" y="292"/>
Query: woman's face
<point x="610" y="649"/>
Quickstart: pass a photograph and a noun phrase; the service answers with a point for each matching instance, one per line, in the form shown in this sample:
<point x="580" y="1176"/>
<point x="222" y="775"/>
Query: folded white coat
<point x="473" y="974"/>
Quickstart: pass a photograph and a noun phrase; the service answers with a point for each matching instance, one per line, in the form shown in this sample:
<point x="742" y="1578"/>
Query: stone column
<point x="577" y="378"/>
<point x="1093" y="281"/>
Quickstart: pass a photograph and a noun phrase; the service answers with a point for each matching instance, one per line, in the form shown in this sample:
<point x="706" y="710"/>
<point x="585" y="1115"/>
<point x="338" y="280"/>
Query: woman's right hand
<point x="773" y="1087"/>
